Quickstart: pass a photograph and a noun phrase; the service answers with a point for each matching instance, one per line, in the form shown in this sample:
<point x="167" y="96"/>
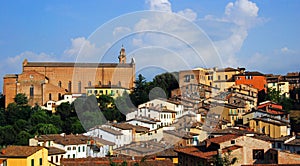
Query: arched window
<point x="89" y="84"/>
<point x="69" y="86"/>
<point x="79" y="87"/>
<point x="59" y="84"/>
<point x="31" y="91"/>
<point x="50" y="96"/>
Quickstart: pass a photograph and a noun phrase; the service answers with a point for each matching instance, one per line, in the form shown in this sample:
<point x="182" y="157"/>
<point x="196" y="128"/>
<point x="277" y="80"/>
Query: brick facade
<point x="44" y="81"/>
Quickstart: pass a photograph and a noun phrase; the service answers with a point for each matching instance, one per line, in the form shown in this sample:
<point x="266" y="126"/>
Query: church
<point x="44" y="81"/>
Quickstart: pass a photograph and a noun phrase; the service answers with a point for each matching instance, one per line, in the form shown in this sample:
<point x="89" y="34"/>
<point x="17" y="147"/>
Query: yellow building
<point x="113" y="91"/>
<point x="25" y="156"/>
<point x="270" y="126"/>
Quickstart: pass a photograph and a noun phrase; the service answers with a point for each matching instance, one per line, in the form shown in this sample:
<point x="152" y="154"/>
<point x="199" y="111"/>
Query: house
<point x="270" y="126"/>
<point x="55" y="155"/>
<point x="75" y="146"/>
<point x="24" y="155"/>
<point x="110" y="133"/>
<point x="167" y="154"/>
<point x="247" y="150"/>
<point x="254" y="79"/>
<point x="152" y="124"/>
<point x="111" y="90"/>
<point x="164" y="111"/>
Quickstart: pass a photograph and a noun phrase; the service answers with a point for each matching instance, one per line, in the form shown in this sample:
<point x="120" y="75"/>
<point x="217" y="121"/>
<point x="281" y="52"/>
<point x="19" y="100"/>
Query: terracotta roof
<point x="195" y="151"/>
<point x="199" y="152"/>
<point x="103" y="161"/>
<point x="111" y="131"/>
<point x="127" y="126"/>
<point x="55" y="151"/>
<point x="103" y="141"/>
<point x="252" y="73"/>
<point x="19" y="151"/>
<point x="64" y="139"/>
<point x="223" y="138"/>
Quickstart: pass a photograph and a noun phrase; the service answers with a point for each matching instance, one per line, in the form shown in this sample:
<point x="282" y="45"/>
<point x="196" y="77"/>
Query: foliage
<point x="140" y="92"/>
<point x="166" y="81"/>
<point x="226" y="160"/>
<point x="274" y="95"/>
<point x="21" y="99"/>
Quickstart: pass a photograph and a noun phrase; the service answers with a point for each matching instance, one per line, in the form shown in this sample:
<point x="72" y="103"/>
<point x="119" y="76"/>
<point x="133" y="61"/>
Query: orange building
<point x="44" y="81"/>
<point x="253" y="79"/>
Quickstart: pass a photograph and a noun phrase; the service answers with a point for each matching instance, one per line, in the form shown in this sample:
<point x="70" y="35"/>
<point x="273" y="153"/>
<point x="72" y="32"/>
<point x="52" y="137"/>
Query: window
<point x="219" y="77"/>
<point x="56" y="158"/>
<point x="79" y="149"/>
<point x="279" y="145"/>
<point x="192" y="76"/>
<point x="59" y="84"/>
<point x="226" y="77"/>
<point x="69" y="148"/>
<point x="32" y="162"/>
<point x="73" y="155"/>
<point x="68" y="156"/>
<point x="51" y="158"/>
<point x="99" y="83"/>
<point x="109" y="83"/>
<point x="83" y="148"/>
<point x="119" y="84"/>
<point x="50" y="96"/>
<point x="41" y="161"/>
<point x="187" y="78"/>
<point x="74" y="147"/>
<point x="258" y="154"/>
<point x="89" y="83"/>
<point x="31" y="91"/>
<point x="59" y="96"/>
<point x="69" y="86"/>
<point x="232" y="141"/>
<point x="79" y="87"/>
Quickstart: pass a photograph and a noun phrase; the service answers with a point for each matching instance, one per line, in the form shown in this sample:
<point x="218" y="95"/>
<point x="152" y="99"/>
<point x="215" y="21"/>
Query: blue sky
<point x="260" y="35"/>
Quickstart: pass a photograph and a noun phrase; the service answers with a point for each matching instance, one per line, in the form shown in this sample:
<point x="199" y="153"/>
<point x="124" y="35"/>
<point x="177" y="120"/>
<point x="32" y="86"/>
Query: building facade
<point x="44" y="81"/>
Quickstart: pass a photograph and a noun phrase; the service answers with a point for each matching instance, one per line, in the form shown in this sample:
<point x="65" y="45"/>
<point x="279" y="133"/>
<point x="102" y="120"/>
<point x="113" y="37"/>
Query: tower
<point x="122" y="56"/>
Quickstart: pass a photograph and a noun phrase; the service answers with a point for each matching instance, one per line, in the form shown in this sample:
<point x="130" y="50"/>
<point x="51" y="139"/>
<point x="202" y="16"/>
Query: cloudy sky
<point x="162" y="35"/>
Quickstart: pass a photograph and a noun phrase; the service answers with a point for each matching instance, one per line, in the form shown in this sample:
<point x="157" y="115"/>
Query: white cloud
<point x="82" y="50"/>
<point x="242" y="12"/>
<point x="243" y="15"/>
<point x="188" y="14"/>
<point x="159" y="5"/>
<point x="119" y="31"/>
<point x="286" y="50"/>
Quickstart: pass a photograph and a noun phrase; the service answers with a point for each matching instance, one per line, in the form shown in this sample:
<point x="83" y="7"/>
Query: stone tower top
<point x="122" y="56"/>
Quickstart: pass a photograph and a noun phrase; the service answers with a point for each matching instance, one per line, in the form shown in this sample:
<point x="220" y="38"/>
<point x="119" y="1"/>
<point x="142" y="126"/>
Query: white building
<point x="73" y="146"/>
<point x="110" y="133"/>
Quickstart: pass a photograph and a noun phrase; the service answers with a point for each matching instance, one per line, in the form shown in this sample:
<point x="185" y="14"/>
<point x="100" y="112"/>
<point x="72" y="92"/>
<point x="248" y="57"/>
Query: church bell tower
<point x="122" y="56"/>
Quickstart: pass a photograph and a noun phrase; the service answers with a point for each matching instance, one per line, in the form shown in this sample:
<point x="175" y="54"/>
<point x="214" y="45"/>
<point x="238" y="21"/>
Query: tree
<point x="166" y="81"/>
<point x="21" y="99"/>
<point x="23" y="138"/>
<point x="2" y="101"/>
<point x="42" y="129"/>
<point x="226" y="160"/>
<point x="274" y="95"/>
<point x="140" y="92"/>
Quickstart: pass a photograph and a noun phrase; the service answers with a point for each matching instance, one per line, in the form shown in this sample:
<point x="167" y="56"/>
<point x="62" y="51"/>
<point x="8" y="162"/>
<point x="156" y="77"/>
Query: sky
<point x="161" y="35"/>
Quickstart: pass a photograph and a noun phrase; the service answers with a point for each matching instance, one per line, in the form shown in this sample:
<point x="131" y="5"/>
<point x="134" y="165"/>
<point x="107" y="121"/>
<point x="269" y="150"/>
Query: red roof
<point x="223" y="138"/>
